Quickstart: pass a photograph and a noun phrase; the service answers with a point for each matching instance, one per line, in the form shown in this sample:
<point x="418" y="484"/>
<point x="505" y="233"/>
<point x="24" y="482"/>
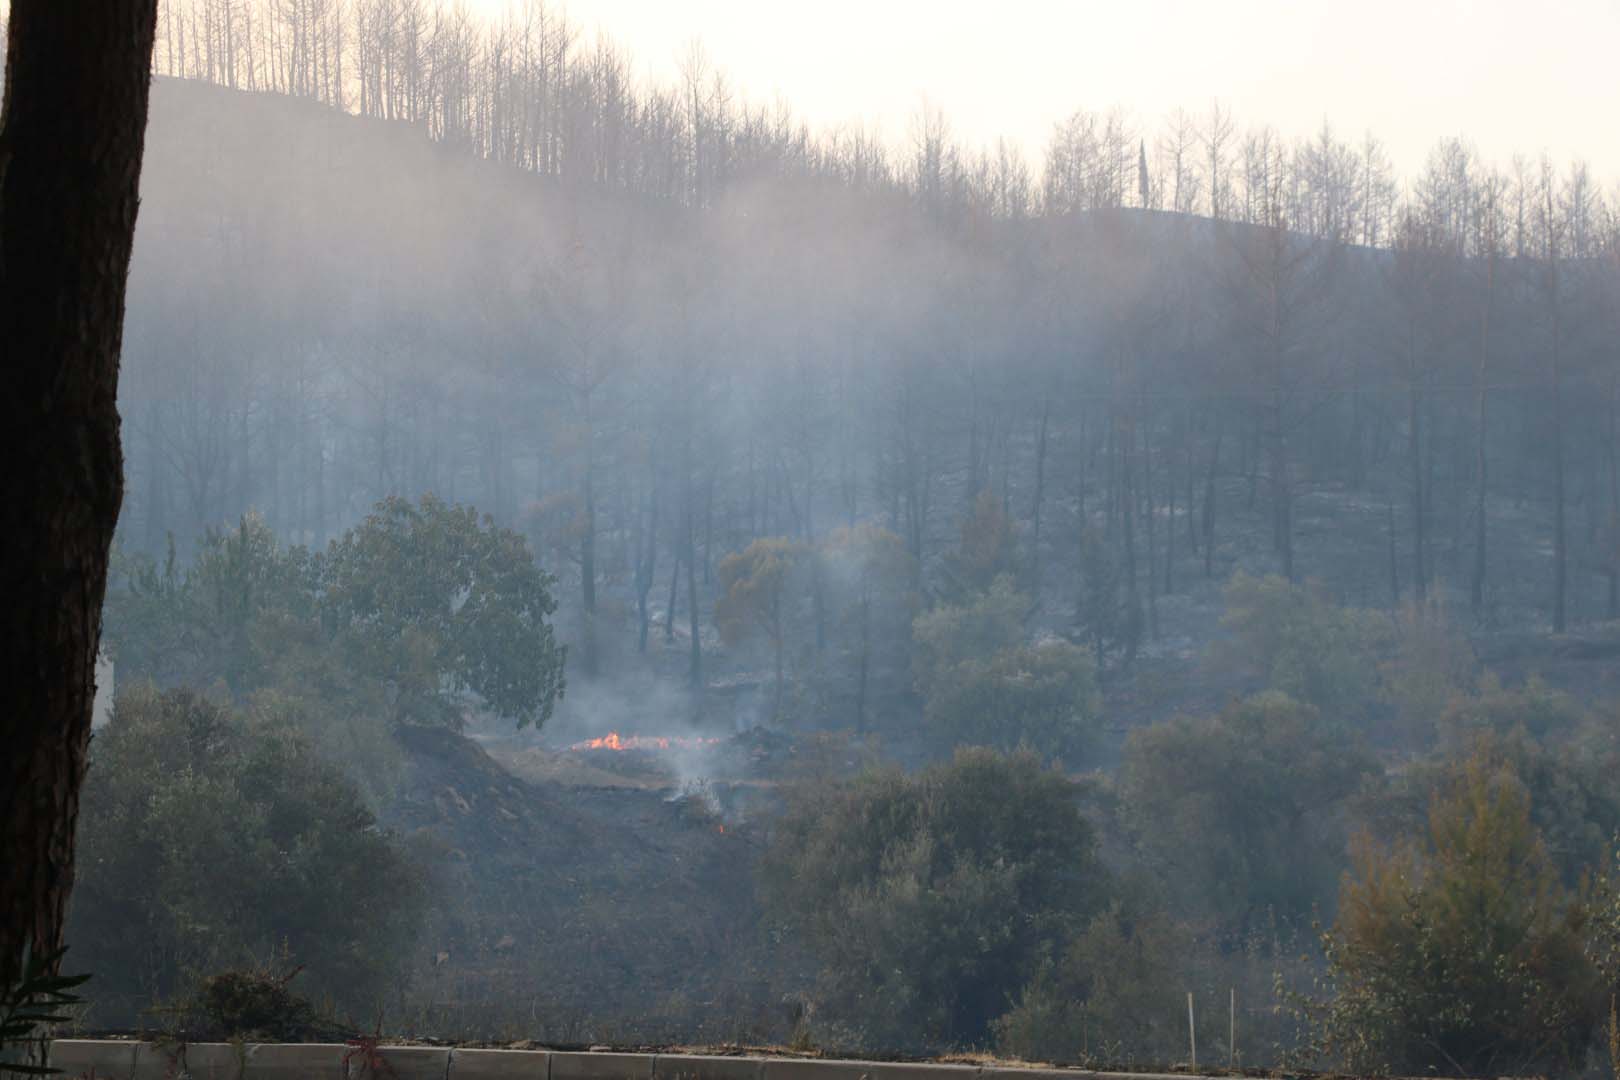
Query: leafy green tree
<point x="434" y="601"/>
<point x="982" y="684"/>
<point x="950" y="634"/>
<point x="1534" y="708"/>
<point x="755" y="591"/>
<point x="1042" y="695"/>
<point x="418" y="604"/>
<point x="232" y="617"/>
<point x="1296" y="640"/>
<point x="1239" y="813"/>
<point x="1430" y="664"/>
<point x="984" y="552"/>
<point x="1461" y="953"/>
<point x="1108" y="997"/>
<point x="1108" y="616"/>
<point x="930" y="899"/>
<point x="213" y="839"/>
<point x="1573" y="783"/>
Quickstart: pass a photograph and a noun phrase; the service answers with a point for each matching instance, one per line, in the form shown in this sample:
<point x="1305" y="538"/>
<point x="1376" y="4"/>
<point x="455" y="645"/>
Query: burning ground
<point x="582" y="903"/>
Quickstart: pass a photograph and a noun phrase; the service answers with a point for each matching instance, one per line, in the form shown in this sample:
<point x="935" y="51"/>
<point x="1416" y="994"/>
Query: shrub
<point x="1297" y="641"/>
<point x="1238" y="812"/>
<point x="930" y="899"/>
<point x="209" y="841"/>
<point x="983" y="685"/>
<point x="1043" y="696"/>
<point x="1461" y="952"/>
<point x="1105" y="999"/>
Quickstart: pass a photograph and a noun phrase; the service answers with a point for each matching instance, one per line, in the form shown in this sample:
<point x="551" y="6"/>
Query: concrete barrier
<point x="500" y="1064"/>
<point x="108" y="1059"/>
<point x="401" y="1063"/>
<point x="294" y="1061"/>
<point x="178" y="1061"/>
<point x="819" y="1069"/>
<point x="707" y="1067"/>
<point x="601" y="1065"/>
<point x="103" y="1059"/>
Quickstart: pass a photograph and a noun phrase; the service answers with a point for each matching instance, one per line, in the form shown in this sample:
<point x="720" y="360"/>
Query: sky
<point x="1511" y="75"/>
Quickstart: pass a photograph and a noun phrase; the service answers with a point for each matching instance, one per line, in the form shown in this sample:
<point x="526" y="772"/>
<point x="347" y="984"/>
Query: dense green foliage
<point x="428" y="597"/>
<point x="211" y="839"/>
<point x="983" y="684"/>
<point x="403" y="615"/>
<point x="1238" y="811"/>
<point x="929" y="899"/>
<point x="1104" y="998"/>
<point x="1299" y="642"/>
<point x="1462" y="953"/>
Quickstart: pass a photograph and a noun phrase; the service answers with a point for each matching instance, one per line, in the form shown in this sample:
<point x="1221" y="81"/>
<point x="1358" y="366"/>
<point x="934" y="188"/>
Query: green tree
<point x="236" y="615"/>
<point x="1461" y="953"/>
<point x="1239" y="812"/>
<point x="433" y="601"/>
<point x="215" y="839"/>
<point x="415" y="606"/>
<point x="1573" y="783"/>
<point x="754" y="594"/>
<point x="1296" y="640"/>
<point x="950" y="634"/>
<point x="1108" y="616"/>
<point x="983" y="684"/>
<point x="984" y="552"/>
<point x="930" y="899"/>
<point x="1534" y="708"/>
<point x="1429" y="665"/>
<point x="1105" y="997"/>
<point x="1042" y="695"/>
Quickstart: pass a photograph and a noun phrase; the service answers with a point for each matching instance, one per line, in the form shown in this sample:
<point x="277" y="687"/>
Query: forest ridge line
<point x="528" y="89"/>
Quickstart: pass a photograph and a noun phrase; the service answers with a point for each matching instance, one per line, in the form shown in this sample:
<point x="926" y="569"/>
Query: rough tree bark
<point x="71" y="138"/>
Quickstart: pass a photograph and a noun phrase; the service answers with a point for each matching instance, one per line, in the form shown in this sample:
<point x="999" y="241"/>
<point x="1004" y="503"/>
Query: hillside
<point x="579" y="914"/>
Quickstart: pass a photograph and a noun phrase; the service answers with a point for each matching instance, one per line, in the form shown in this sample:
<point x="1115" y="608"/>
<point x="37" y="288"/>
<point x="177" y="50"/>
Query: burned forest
<point x="607" y="561"/>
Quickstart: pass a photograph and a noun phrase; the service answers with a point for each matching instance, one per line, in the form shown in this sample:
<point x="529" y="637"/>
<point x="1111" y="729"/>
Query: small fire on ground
<point x="614" y="741"/>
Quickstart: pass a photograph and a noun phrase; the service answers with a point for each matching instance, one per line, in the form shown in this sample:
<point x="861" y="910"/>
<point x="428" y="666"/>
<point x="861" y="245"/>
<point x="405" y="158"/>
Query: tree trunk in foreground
<point x="71" y="137"/>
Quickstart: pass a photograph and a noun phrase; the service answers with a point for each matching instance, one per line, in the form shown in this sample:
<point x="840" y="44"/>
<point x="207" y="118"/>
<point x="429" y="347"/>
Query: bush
<point x="414" y="607"/>
<point x="209" y="841"/>
<point x="1573" y="786"/>
<point x="1430" y="665"/>
<point x="985" y="552"/>
<point x="950" y="634"/>
<point x="1108" y="999"/>
<point x="930" y="900"/>
<point x="1238" y="813"/>
<point x="1043" y="696"/>
<point x="983" y="685"/>
<point x="1461" y="952"/>
<point x="1297" y="641"/>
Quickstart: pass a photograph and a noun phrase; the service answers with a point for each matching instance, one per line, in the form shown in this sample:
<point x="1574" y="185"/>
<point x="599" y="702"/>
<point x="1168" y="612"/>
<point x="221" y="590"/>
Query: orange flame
<point x="614" y="741"/>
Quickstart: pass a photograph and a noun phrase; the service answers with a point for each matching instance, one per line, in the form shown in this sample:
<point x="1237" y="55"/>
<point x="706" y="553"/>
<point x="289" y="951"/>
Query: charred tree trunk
<point x="587" y="551"/>
<point x="1613" y="608"/>
<point x="1560" y="531"/>
<point x="1209" y="505"/>
<point x="71" y="140"/>
<point x="1414" y="437"/>
<point x="649" y="567"/>
<point x="1040" y="494"/>
<point x="1476" y="584"/>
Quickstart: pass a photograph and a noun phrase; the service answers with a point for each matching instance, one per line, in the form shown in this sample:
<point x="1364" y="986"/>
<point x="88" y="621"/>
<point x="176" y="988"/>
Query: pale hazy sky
<point x="1527" y="75"/>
